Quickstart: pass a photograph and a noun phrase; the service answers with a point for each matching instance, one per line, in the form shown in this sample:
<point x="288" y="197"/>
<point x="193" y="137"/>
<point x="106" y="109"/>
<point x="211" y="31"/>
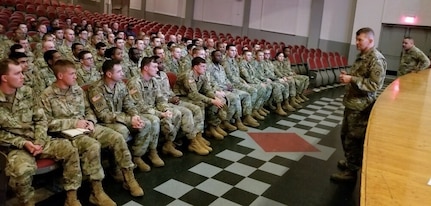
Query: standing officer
<point x="367" y="76"/>
<point x="412" y="58"/>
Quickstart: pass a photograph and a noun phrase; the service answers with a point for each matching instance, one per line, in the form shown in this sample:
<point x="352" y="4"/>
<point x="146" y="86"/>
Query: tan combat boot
<point x="203" y="142"/>
<point x="240" y="125"/>
<point x="294" y="104"/>
<point x="304" y="97"/>
<point x="143" y="167"/>
<point x="265" y="110"/>
<point x="155" y="159"/>
<point x="213" y="133"/>
<point x="71" y="199"/>
<point x="262" y="112"/>
<point x="280" y="110"/>
<point x="196" y="147"/>
<point x="131" y="184"/>
<point x="169" y="148"/>
<point x="257" y="115"/>
<point x="116" y="174"/>
<point x="221" y="131"/>
<point x="226" y="125"/>
<point x="288" y="107"/>
<point x="298" y="97"/>
<point x="98" y="196"/>
<point x="249" y="121"/>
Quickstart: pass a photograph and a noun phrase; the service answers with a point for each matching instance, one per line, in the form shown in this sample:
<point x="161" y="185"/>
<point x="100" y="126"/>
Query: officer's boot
<point x="287" y="106"/>
<point x="131" y="184"/>
<point x="294" y="104"/>
<point x="240" y="125"/>
<point x="257" y="115"/>
<point x="221" y="131"/>
<point x="226" y="125"/>
<point x="71" y="199"/>
<point x="213" y="133"/>
<point x="304" y="97"/>
<point x="143" y="167"/>
<point x="155" y="159"/>
<point x="169" y="148"/>
<point x="203" y="142"/>
<point x="98" y="196"/>
<point x="250" y="121"/>
<point x="197" y="147"/>
<point x="280" y="110"/>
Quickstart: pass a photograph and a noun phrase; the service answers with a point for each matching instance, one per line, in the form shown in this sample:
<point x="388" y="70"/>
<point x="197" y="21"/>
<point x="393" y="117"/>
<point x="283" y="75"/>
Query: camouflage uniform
<point x="281" y="70"/>
<point x="22" y="120"/>
<point x="98" y="62"/>
<point x="65" y="50"/>
<point x="280" y="91"/>
<point x="413" y="60"/>
<point x="368" y="75"/>
<point x="192" y="120"/>
<point x="233" y="74"/>
<point x="241" y="98"/>
<point x="30" y="77"/>
<point x="115" y="109"/>
<point x="44" y="78"/>
<point x="150" y="100"/>
<point x="84" y="77"/>
<point x="301" y="81"/>
<point x="250" y="75"/>
<point x="185" y="64"/>
<point x="130" y="69"/>
<point x="63" y="109"/>
<point x="171" y="65"/>
<point x="198" y="91"/>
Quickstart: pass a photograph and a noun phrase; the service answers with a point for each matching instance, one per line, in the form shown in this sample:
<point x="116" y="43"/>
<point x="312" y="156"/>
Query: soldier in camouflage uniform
<point x="367" y="76"/>
<point x="24" y="126"/>
<point x="146" y="92"/>
<point x="192" y="120"/>
<point x="133" y="67"/>
<point x="412" y="58"/>
<point x="86" y="72"/>
<point x="258" y="94"/>
<point x="66" y="48"/>
<point x="239" y="98"/>
<point x="186" y="61"/>
<point x="66" y="107"/>
<point x="193" y="86"/>
<point x="114" y="107"/>
<point x="299" y="84"/>
<point x="100" y="56"/>
<point x="45" y="76"/>
<point x="172" y="64"/>
<point x="29" y="73"/>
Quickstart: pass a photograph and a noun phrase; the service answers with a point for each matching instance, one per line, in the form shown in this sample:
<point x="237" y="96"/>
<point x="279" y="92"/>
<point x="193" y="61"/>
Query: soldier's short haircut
<point x="46" y="36"/>
<point x="74" y="45"/>
<point x="229" y="46"/>
<point x="14" y="47"/>
<point x="49" y="55"/>
<point x="108" y="65"/>
<point x="16" y="55"/>
<point x="62" y="65"/>
<point x="100" y="45"/>
<point x="146" y="61"/>
<point x="4" y="66"/>
<point x="365" y="30"/>
<point x="196" y="50"/>
<point x="117" y="38"/>
<point x="213" y="52"/>
<point x="82" y="53"/>
<point x="131" y="51"/>
<point x="197" y="61"/>
<point x="156" y="48"/>
<point x="190" y="46"/>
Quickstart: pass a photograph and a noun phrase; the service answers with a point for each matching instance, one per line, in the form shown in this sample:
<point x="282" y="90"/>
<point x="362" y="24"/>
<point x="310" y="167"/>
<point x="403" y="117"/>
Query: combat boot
<point x="155" y="159"/>
<point x="131" y="184"/>
<point x="98" y="196"/>
<point x="262" y="112"/>
<point x="257" y="115"/>
<point x="28" y="203"/>
<point x="117" y="175"/>
<point x="169" y="148"/>
<point x="226" y="125"/>
<point x="213" y="133"/>
<point x="240" y="125"/>
<point x="287" y="106"/>
<point x="294" y="104"/>
<point x="280" y="110"/>
<point x="298" y="97"/>
<point x="142" y="166"/>
<point x="201" y="139"/>
<point x="271" y="106"/>
<point x="344" y="176"/>
<point x="196" y="147"/>
<point x="71" y="199"/>
<point x="221" y="131"/>
<point x="265" y="110"/>
<point x="304" y="97"/>
<point x="342" y="165"/>
<point x="249" y="121"/>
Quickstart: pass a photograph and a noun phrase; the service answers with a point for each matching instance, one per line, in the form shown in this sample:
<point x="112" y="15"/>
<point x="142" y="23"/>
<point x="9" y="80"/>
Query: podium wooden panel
<point x="397" y="150"/>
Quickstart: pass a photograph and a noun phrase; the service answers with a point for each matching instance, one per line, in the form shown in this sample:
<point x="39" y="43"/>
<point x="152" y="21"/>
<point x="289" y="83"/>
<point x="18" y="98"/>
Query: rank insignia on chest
<point x="96" y="98"/>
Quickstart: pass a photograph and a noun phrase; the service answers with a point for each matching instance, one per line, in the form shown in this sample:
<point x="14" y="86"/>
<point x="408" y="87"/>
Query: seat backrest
<point x="172" y="79"/>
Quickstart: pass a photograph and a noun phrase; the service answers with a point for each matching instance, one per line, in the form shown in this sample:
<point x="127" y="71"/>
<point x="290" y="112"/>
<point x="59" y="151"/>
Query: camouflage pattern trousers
<point x="353" y="135"/>
<point x="192" y="119"/>
<point x="22" y="166"/>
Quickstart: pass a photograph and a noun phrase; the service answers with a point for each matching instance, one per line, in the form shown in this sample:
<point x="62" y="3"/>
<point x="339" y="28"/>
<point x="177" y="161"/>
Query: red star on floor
<point x="281" y="142"/>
